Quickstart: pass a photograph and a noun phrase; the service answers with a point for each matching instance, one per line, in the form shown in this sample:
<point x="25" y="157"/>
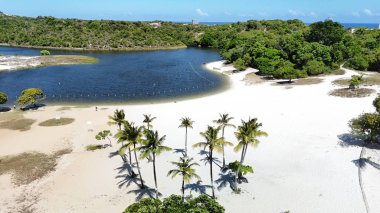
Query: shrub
<point x="174" y="204"/>
<point x="358" y="63"/>
<point x="367" y="125"/>
<point x="31" y="96"/>
<point x="3" y="98"/>
<point x="44" y="52"/>
<point x="315" y="67"/>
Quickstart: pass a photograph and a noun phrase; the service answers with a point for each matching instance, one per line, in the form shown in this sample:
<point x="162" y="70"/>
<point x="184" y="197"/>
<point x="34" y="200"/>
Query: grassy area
<point x="368" y="80"/>
<point x="15" y="121"/>
<point x="57" y="122"/>
<point x="93" y="147"/>
<point x="30" y="166"/>
<point x="308" y="81"/>
<point x="349" y="93"/>
<point x="52" y="60"/>
<point x="65" y="108"/>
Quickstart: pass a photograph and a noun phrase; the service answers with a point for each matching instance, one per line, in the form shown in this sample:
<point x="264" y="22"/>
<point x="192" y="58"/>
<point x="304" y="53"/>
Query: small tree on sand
<point x="355" y="81"/>
<point x="102" y="135"/>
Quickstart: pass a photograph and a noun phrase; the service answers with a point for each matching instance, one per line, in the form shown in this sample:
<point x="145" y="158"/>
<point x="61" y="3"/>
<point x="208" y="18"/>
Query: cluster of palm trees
<point x="149" y="144"/>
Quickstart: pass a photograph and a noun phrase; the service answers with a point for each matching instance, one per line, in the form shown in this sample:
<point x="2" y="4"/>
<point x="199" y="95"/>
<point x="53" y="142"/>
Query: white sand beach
<point x="302" y="166"/>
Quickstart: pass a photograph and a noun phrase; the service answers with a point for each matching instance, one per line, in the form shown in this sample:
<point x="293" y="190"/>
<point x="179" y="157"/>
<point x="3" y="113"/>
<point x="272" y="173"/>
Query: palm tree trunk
<point x="186" y="143"/>
<point x="211" y="175"/>
<point x="130" y="156"/>
<point x="239" y="175"/>
<point x="224" y="160"/>
<point x="138" y="167"/>
<point x="109" y="141"/>
<point x="119" y="124"/>
<point x="154" y="174"/>
<point x="183" y="189"/>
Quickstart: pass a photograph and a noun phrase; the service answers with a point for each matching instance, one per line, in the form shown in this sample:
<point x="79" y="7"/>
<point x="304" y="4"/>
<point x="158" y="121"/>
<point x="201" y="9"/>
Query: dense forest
<point x="281" y="49"/>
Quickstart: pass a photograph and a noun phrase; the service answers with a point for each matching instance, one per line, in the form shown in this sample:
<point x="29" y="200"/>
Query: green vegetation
<point x="52" y="60"/>
<point x="57" y="122"/>
<point x="283" y="49"/>
<point x="3" y="98"/>
<point x="352" y="93"/>
<point x="355" y="81"/>
<point x="153" y="146"/>
<point x="247" y="134"/>
<point x="92" y="147"/>
<point x="28" y="167"/>
<point x="31" y="96"/>
<point x="21" y="124"/>
<point x="174" y="204"/>
<point x="44" y="52"/>
<point x="184" y="168"/>
<point x="368" y="124"/>
<point x="102" y="135"/>
<point x="212" y="143"/>
<point x="223" y="122"/>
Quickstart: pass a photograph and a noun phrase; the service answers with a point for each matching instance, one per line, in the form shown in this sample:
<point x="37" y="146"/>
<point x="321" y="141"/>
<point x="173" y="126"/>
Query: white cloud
<point x="313" y="14"/>
<point x="201" y="13"/>
<point x="295" y="13"/>
<point x="356" y="14"/>
<point x="368" y="12"/>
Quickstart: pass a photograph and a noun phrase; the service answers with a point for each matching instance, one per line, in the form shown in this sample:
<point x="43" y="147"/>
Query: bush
<point x="174" y="204"/>
<point x="44" y="52"/>
<point x="93" y="147"/>
<point x="376" y="104"/>
<point x="358" y="63"/>
<point x="31" y="96"/>
<point x="315" y="67"/>
<point x="367" y="125"/>
<point x="3" y="98"/>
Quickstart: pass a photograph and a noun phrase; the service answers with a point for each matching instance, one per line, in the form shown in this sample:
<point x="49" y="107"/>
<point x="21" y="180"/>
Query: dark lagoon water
<point x="119" y="77"/>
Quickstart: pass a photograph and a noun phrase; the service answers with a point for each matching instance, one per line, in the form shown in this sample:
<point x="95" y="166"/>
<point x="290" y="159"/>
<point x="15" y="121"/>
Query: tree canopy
<point x="31" y="96"/>
<point x="3" y="98"/>
<point x="174" y="204"/>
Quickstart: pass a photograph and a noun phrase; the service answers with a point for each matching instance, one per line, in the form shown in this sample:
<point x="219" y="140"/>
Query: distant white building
<point x="155" y="24"/>
<point x="195" y="22"/>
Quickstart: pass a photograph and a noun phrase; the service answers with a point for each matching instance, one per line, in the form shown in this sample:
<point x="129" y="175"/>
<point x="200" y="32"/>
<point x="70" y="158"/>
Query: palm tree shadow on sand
<point x="226" y="179"/>
<point x="126" y="179"/>
<point x="181" y="151"/>
<point x="144" y="192"/>
<point x="206" y="158"/>
<point x="197" y="187"/>
<point x="348" y="140"/>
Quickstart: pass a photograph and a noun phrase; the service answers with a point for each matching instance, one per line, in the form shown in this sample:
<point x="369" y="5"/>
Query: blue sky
<point x="358" y="11"/>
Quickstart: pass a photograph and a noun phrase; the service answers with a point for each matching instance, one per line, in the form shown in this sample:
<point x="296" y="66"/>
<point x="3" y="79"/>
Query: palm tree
<point x="152" y="145"/>
<point x="148" y="119"/>
<point x="133" y="136"/>
<point x="186" y="122"/>
<point x="118" y="118"/>
<point x="123" y="135"/>
<point x="212" y="143"/>
<point x="223" y="122"/>
<point x="247" y="134"/>
<point x="184" y="168"/>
